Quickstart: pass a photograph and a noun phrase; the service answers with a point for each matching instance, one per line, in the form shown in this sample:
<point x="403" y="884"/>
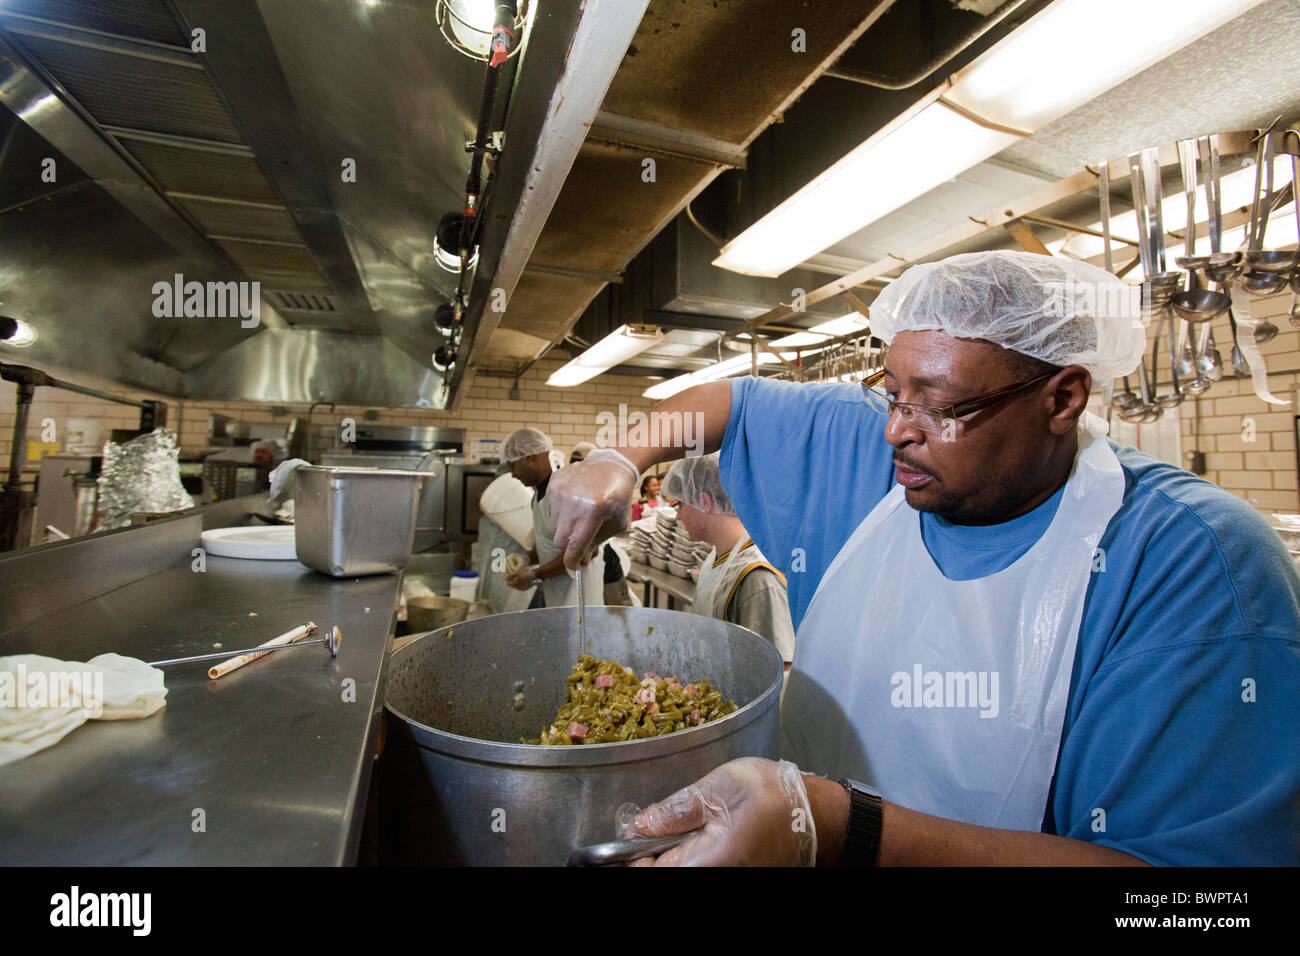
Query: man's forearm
<point x="711" y="402"/>
<point x="909" y="838"/>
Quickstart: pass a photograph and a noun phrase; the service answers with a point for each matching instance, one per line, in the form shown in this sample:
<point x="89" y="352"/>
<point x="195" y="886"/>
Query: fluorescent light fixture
<point x="711" y="374"/>
<point x="907" y="158"/>
<point x="1075" y="50"/>
<point x="614" y="349"/>
<point x="818" y="334"/>
<point x="1062" y="58"/>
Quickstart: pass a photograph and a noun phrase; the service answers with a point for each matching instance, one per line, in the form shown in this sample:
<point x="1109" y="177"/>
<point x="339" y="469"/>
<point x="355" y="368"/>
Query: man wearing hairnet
<point x="1018" y="643"/>
<point x="737" y="583"/>
<point x="528" y="452"/>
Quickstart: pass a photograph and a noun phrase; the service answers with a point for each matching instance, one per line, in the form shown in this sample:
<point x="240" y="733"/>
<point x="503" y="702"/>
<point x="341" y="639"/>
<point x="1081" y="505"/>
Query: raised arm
<point x="592" y="499"/>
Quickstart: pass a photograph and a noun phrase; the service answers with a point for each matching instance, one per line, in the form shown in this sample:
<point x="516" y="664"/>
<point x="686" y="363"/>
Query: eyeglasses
<point x="929" y="418"/>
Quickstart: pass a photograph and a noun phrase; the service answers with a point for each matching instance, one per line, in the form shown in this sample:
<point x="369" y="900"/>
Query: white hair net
<point x="690" y="479"/>
<point x="1058" y="310"/>
<point x="525" y="442"/>
<point x="581" y="451"/>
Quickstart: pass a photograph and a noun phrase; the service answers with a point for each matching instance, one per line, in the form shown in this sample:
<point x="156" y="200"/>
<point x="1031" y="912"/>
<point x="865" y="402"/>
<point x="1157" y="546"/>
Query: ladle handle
<point x="1104" y="186"/>
<point x="1213" y="201"/>
<point x="1187" y="161"/>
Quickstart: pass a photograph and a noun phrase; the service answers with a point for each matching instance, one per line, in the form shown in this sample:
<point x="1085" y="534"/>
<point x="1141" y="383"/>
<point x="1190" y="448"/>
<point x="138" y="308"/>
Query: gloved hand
<point x="752" y="812"/>
<point x="591" y="500"/>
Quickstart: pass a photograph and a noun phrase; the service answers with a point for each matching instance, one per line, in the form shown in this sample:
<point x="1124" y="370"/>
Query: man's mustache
<point x="910" y="466"/>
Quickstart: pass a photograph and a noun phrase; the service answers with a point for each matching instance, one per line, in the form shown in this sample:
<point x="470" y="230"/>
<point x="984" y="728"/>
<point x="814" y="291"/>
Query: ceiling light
<point x="1062" y="58"/>
<point x="711" y="374"/>
<point x="446" y="243"/>
<point x="844" y="325"/>
<point x="16" y="332"/>
<point x="907" y="158"/>
<point x="467" y="25"/>
<point x="614" y="349"/>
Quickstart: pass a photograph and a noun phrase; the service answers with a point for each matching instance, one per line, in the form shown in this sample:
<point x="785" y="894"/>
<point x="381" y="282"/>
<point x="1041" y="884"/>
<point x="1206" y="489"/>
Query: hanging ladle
<point x="1195" y="304"/>
<point x="1168" y="399"/>
<point x="1267" y="269"/>
<point x="1158" y="285"/>
<point x="1240" y="367"/>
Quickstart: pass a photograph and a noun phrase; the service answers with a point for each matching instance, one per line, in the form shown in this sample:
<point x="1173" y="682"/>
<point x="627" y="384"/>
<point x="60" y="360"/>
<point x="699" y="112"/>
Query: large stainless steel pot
<point x="456" y="787"/>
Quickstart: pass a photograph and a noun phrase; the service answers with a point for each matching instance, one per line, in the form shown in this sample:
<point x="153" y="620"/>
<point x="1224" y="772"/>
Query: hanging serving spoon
<point x="1240" y="367"/>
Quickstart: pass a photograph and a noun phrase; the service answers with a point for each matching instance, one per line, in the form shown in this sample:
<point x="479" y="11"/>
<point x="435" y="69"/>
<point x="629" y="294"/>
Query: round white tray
<point x="258" y="544"/>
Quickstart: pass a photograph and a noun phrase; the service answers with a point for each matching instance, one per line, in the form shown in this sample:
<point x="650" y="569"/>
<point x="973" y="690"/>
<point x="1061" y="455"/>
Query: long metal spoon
<point x="332" y="640"/>
<point x="1240" y="367"/>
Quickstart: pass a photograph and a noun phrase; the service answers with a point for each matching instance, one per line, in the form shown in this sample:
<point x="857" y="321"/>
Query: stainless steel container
<point x="353" y="521"/>
<point x="456" y="787"/>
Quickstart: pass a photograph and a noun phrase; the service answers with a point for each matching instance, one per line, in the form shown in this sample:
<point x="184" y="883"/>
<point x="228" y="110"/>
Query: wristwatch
<point x="866" y="816"/>
<point x="533" y="575"/>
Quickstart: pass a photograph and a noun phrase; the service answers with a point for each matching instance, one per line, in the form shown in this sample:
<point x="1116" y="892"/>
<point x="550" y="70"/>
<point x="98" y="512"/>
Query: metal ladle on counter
<point x="332" y="640"/>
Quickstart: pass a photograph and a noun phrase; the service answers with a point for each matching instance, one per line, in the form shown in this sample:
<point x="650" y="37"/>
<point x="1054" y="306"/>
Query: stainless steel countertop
<point x="272" y="754"/>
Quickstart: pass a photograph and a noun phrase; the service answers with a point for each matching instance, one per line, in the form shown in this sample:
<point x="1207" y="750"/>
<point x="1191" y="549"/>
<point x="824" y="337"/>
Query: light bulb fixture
<point x="446" y="243"/>
<point x="469" y="26"/>
<point x="844" y="325"/>
<point x="614" y="349"/>
<point x="444" y="357"/>
<point x="1063" y="57"/>
<point x="16" y="332"/>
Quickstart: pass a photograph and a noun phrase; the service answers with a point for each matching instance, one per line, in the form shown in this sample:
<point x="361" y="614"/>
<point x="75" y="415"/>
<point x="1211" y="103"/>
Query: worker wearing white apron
<point x="740" y="585"/>
<point x="529" y="453"/>
<point x="505" y="498"/>
<point x="1017" y="641"/>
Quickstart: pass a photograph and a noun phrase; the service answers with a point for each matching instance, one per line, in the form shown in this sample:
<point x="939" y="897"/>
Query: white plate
<point x="271" y="543"/>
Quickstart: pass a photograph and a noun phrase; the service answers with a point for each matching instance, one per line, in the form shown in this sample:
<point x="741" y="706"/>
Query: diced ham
<point x="578" y="731"/>
<point x="695" y="716"/>
<point x="651" y="675"/>
<point x="652" y="709"/>
<point x="645" y="696"/>
<point x="692" y="691"/>
<point x="604" y="681"/>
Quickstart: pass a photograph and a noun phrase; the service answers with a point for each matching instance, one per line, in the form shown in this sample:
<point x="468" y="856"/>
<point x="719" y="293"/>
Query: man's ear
<point x="706" y="503"/>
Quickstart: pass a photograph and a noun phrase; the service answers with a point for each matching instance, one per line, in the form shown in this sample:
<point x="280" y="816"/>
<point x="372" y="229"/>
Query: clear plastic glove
<point x="591" y="500"/>
<point x="750" y="812"/>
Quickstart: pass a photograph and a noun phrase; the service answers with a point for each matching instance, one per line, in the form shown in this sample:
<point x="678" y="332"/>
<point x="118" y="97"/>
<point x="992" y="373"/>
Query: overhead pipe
<point x="884" y="82"/>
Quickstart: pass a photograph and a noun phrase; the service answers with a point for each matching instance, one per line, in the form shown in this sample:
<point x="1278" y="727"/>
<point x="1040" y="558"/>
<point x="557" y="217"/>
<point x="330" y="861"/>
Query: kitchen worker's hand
<point x="590" y="501"/>
<point x="520" y="580"/>
<point x="750" y="812"/>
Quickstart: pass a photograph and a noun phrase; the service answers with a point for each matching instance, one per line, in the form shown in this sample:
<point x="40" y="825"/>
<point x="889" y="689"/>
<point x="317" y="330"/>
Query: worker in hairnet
<point x="528" y="451"/>
<point x="737" y="583"/>
<point x="1017" y="641"/>
<point x="500" y="553"/>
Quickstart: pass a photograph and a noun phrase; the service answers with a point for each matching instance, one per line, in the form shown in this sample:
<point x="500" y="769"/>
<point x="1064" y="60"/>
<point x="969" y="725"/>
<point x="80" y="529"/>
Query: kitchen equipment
<point x="625" y="851"/>
<point x="353" y="521"/>
<point x="1294" y="316"/>
<point x="1240" y="368"/>
<point x="430" y="612"/>
<point x="454" y="786"/>
<point x="1158" y="285"/>
<point x="464" y="585"/>
<point x="1195" y="304"/>
<point x="254" y="543"/>
<point x="332" y="640"/>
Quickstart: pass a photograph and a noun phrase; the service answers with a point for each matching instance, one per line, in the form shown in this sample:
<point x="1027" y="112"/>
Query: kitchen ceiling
<point x="226" y="163"/>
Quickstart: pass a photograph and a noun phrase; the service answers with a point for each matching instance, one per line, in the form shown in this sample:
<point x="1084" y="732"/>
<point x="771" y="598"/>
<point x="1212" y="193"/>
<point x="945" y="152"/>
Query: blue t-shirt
<point x="1183" y="720"/>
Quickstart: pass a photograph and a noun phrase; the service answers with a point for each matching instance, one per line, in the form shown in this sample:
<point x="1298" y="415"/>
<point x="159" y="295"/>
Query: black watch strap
<point x="866" y="817"/>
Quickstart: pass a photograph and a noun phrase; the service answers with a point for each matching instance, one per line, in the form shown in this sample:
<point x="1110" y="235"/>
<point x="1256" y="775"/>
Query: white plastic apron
<point x="891" y="653"/>
<point x="562" y="589"/>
